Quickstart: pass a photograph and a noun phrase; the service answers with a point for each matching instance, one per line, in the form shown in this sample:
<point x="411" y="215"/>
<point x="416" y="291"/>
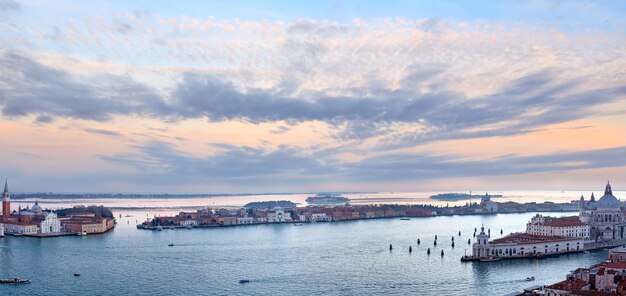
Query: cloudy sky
<point x="280" y="96"/>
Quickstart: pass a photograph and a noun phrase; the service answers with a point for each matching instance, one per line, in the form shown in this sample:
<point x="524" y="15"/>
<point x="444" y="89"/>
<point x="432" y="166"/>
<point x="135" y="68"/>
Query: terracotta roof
<point x="19" y="223"/>
<point x="525" y="238"/>
<point x="568" y="285"/>
<point x="563" y="222"/>
<point x="616" y="265"/>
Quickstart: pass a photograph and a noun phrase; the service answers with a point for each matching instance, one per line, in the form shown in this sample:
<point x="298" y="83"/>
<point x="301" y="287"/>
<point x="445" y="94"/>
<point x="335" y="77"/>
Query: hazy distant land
<point x="460" y="196"/>
<point x="50" y="195"/>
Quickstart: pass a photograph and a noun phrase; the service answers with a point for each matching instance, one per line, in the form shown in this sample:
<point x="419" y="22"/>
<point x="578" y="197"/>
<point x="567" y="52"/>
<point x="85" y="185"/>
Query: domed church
<point x="605" y="216"/>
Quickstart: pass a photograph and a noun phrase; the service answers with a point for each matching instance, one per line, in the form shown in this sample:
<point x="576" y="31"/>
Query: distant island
<point x="460" y="196"/>
<point x="51" y="195"/>
<point x="270" y="204"/>
<point x="97" y="211"/>
<point x="327" y="199"/>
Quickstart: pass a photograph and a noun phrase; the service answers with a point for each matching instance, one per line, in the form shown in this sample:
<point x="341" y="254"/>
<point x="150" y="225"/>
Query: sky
<point x="311" y="96"/>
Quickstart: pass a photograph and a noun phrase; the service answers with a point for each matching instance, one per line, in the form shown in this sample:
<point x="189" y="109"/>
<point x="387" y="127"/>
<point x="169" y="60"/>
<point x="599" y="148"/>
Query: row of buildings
<point x="602" y="221"/>
<point x="35" y="221"/>
<point x="277" y="214"/>
<point x="601" y="279"/>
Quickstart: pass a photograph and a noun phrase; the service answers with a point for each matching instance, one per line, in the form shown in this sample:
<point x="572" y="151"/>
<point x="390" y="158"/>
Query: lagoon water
<point x="345" y="258"/>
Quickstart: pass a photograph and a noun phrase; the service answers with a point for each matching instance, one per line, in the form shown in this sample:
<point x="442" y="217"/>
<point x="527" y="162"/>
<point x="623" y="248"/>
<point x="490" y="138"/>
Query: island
<point x="270" y="204"/>
<point x="327" y="199"/>
<point x="460" y="196"/>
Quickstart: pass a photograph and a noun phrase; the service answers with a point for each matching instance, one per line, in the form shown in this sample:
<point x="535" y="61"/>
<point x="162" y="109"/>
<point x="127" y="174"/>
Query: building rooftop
<point x="568" y="285"/>
<point x="525" y="238"/>
<point x="620" y="249"/>
<point x="561" y="222"/>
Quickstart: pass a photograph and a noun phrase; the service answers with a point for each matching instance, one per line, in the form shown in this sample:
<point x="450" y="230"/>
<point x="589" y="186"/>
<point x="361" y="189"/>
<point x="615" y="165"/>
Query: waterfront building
<point x="277" y="214"/>
<point x="87" y="223"/>
<point x="487" y="205"/>
<point x="605" y="216"/>
<point x="618" y="254"/>
<point x="564" y="226"/>
<point x="28" y="222"/>
<point x="245" y="220"/>
<point x="519" y="245"/>
<point x="227" y="220"/>
<point x="20" y="228"/>
<point x="47" y="222"/>
<point x="320" y="217"/>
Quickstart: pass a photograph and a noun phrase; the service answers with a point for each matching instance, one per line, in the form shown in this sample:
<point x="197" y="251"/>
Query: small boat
<point x="188" y="227"/>
<point x="172" y="227"/>
<point x="466" y="259"/>
<point x="244" y="281"/>
<point x="490" y="259"/>
<point x="159" y="228"/>
<point x="14" y="281"/>
<point x="82" y="233"/>
<point x="77" y="274"/>
<point x="128" y="215"/>
<point x="170" y="245"/>
<point x="586" y="252"/>
<point x="298" y="224"/>
<point x="530" y="278"/>
<point x="405" y="219"/>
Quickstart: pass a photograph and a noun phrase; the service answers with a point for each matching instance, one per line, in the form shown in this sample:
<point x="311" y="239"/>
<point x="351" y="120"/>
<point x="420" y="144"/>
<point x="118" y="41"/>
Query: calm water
<point x="169" y="204"/>
<point x="346" y="258"/>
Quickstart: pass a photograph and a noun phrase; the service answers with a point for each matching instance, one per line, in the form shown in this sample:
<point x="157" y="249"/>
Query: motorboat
<point x="586" y="252"/>
<point x="298" y="224"/>
<point x="159" y="228"/>
<point x="170" y="245"/>
<point x="188" y="227"/>
<point x="530" y="278"/>
<point x="244" y="281"/>
<point x="83" y="233"/>
<point x="77" y="274"/>
<point x="490" y="259"/>
<point x="172" y="227"/>
<point x="14" y="281"/>
<point x="405" y="219"/>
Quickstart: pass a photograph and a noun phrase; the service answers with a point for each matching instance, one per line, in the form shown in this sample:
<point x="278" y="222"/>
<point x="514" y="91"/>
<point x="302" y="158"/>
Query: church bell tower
<point x="6" y="202"/>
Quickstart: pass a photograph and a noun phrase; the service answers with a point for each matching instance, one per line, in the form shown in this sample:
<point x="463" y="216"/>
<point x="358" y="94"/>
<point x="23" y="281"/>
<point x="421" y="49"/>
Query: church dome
<point x="36" y="208"/>
<point x="608" y="200"/>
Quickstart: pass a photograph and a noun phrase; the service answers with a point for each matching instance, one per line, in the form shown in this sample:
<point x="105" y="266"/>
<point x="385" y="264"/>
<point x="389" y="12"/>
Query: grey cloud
<point x="280" y="130"/>
<point x="37" y="89"/>
<point x="271" y="166"/>
<point x="102" y="132"/>
<point x="8" y="5"/>
<point x="44" y="119"/>
<point x="424" y="166"/>
<point x="528" y="103"/>
<point x="123" y="28"/>
<point x="234" y="163"/>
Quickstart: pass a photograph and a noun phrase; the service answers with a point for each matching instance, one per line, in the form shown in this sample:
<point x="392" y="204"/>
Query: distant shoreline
<point x="43" y="195"/>
<point x="461" y="196"/>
